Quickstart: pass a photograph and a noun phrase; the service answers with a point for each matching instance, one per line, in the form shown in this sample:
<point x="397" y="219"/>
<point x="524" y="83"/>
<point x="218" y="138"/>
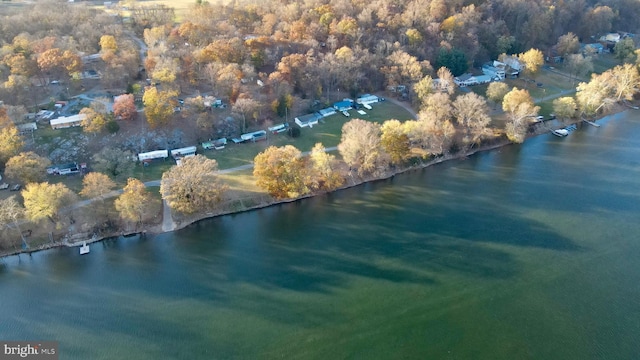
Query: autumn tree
<point x="625" y="80"/>
<point x="472" y="115"/>
<point x="44" y="201"/>
<point x="193" y="185"/>
<point x="446" y="81"/>
<point x="567" y="44"/>
<point x="136" y="204"/>
<point x="114" y="162"/>
<point x="532" y="60"/>
<point x="520" y="110"/>
<point x="395" y="141"/>
<point x="10" y="214"/>
<point x="10" y="143"/>
<point x="245" y="107"/>
<point x="93" y="122"/>
<point x="27" y="167"/>
<point x="124" y="107"/>
<point x="433" y="132"/>
<point x="58" y="62"/>
<point x="324" y="174"/>
<point x="96" y="185"/>
<point x="423" y="88"/>
<point x="281" y="172"/>
<point x="496" y="91"/>
<point x="565" y="107"/>
<point x="5" y="120"/>
<point x="108" y="43"/>
<point x="404" y="69"/>
<point x="158" y="105"/>
<point x="596" y="95"/>
<point x="361" y="149"/>
<point x="578" y="65"/>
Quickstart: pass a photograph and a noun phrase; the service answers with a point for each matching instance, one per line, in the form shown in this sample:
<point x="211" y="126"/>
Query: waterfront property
<point x="409" y="267"/>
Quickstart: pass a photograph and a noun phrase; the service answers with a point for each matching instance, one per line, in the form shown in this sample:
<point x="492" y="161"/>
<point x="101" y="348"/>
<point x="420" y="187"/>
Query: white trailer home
<point x="67" y="121"/>
<point x="151" y="155"/>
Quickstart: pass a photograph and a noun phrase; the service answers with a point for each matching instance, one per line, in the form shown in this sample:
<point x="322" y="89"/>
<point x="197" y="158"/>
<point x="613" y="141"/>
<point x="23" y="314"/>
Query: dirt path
<point x="405" y="106"/>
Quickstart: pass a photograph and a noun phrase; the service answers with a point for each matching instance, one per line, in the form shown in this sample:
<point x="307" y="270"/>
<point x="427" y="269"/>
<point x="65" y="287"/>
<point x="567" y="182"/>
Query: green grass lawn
<point x="327" y="132"/>
<point x="604" y="62"/>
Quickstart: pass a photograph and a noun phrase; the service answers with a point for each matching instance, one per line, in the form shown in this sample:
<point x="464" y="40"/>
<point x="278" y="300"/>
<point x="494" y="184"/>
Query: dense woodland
<point x="302" y="53"/>
<point x="308" y="48"/>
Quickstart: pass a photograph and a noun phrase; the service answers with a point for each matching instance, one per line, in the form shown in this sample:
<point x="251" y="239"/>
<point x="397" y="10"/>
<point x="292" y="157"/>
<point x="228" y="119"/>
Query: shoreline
<point x="157" y="229"/>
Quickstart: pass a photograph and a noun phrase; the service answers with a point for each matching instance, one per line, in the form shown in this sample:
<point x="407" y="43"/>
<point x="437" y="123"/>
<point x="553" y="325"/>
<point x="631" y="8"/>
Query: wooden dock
<point x="591" y="123"/>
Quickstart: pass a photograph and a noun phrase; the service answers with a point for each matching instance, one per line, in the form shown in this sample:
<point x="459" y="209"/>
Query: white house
<point x="513" y="65"/>
<point x="254" y="136"/>
<point x="68" y="121"/>
<point x="367" y="99"/>
<point x="64" y="169"/>
<point x="484" y="79"/>
<point x="151" y="155"/>
<point x="308" y="120"/>
<point x="327" y="112"/>
<point x="465" y="80"/>
<point x="611" y="37"/>
<point x="494" y="71"/>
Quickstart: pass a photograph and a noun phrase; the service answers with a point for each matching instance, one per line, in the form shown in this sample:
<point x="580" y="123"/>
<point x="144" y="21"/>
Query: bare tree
<point x="471" y="113"/>
<point x="245" y="107"/>
<point x="361" y="149"/>
<point x="193" y="185"/>
<point x="10" y="213"/>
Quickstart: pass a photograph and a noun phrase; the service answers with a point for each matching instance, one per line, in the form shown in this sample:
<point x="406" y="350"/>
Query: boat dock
<point x="591" y="123"/>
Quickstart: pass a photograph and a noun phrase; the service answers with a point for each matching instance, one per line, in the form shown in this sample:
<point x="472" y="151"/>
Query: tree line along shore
<point x="168" y="80"/>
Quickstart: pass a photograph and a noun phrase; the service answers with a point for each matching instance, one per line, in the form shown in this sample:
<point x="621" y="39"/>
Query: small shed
<point x="27" y="128"/>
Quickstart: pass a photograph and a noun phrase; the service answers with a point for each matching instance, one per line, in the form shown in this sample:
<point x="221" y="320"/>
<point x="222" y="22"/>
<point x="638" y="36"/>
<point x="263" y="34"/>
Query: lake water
<point x="526" y="252"/>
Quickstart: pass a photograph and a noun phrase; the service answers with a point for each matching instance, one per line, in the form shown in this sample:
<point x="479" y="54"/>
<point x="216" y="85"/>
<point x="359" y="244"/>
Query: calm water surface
<point x="527" y="252"/>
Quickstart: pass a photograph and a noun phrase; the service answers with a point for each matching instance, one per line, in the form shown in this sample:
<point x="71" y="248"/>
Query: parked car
<point x="4" y="186"/>
<point x="15" y="187"/>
